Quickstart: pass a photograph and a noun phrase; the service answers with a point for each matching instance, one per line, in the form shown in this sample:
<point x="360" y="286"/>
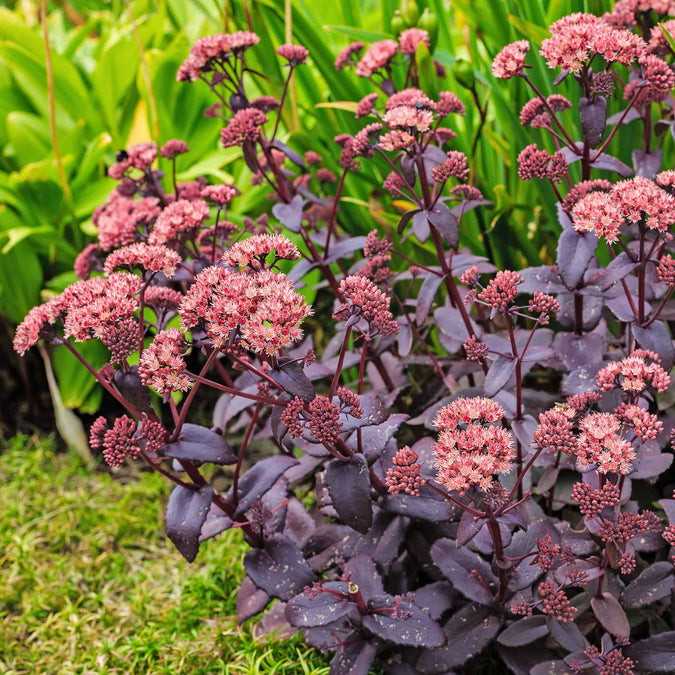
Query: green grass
<point x="89" y="584"/>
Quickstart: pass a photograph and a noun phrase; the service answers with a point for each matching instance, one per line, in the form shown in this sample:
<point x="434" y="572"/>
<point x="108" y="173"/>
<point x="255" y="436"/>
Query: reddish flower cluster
<point x="544" y="305"/>
<point x="208" y="51"/>
<point x="475" y="350"/>
<point x="449" y="103"/>
<point x="646" y="425"/>
<point x="377" y="56"/>
<point x="591" y="501"/>
<point x="659" y="78"/>
<point x="291" y="417"/>
<point x="162" y="364"/>
<point x="254" y="251"/>
<point x="349" y="402"/>
<point x="535" y="113"/>
<point x="404" y="476"/>
<point x="324" y="423"/>
<point x="455" y="166"/>
<point x="665" y="270"/>
<point x="243" y="127"/>
<point x="580" y="190"/>
<point x="138" y="157"/>
<point x="220" y="194"/>
<point x="119" y="218"/>
<point x="556" y="430"/>
<point x="366" y="105"/>
<point x="162" y="299"/>
<point x="547" y="552"/>
<point x="470" y="448"/>
<point x="578" y="37"/>
<point x="536" y="163"/>
<point x="119" y="442"/>
<point x="87" y="262"/>
<point x="368" y="301"/>
<point x="628" y="526"/>
<point x="296" y="55"/>
<point x="122" y="340"/>
<point x="511" y="60"/>
<point x="262" y="309"/>
<point x="349" y="55"/>
<point x="411" y="38"/>
<point x="633" y="374"/>
<point x="556" y="603"/>
<point x="501" y="290"/>
<point x="171" y="149"/>
<point x="155" y="258"/>
<point x="601" y="447"/>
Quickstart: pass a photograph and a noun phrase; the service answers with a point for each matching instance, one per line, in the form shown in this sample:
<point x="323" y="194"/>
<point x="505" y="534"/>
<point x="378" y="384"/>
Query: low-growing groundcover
<point x="433" y="460"/>
<point x="88" y="584"/>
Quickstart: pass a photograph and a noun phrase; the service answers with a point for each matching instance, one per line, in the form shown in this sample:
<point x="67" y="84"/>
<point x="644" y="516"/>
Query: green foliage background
<point x="114" y="66"/>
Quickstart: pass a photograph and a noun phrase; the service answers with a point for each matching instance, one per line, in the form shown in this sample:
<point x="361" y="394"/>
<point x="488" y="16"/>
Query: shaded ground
<point x="89" y="584"/>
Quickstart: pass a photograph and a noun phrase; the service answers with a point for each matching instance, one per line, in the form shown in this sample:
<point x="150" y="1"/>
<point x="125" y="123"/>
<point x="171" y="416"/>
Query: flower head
<point x="377" y="56"/>
<point x="368" y="301"/>
<point x="154" y="258"/>
<point x="511" y="60"/>
<point x="119" y="442"/>
<point x="501" y="290"/>
<point x="348" y="55"/>
<point x="162" y="364"/>
<point x="411" y="38"/>
<point x="243" y="127"/>
<point x="173" y="148"/>
<point x="178" y="217"/>
<point x="601" y="447"/>
<point x="296" y="55"/>
<point x="634" y="374"/>
<point x="220" y="194"/>
<point x="254" y="251"/>
<point x="404" y="476"/>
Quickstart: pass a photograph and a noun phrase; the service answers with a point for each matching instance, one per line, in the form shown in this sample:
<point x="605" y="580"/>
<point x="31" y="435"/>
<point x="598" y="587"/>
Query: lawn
<point x="89" y="584"/>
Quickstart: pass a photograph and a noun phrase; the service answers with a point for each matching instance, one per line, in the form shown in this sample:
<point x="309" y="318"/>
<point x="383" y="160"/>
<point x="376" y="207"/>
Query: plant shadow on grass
<point x="89" y="584"/>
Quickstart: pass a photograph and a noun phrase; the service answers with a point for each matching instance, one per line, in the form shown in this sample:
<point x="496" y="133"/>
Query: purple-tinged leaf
<point x="290" y="215"/>
<point x="406" y="218"/>
<point x="651" y="465"/>
<point x="259" y="479"/>
<point x="374" y="438"/>
<point x="501" y="370"/>
<point x="349" y="487"/>
<point x="578" y="350"/>
<point x="420" y="225"/>
<point x="374" y="412"/>
<point x="279" y="568"/>
<point x="469" y="527"/>
<point x="609" y="612"/>
<point x="464" y="207"/>
<point x="654" y="654"/>
<point x="468" y="631"/>
<point x="435" y="599"/>
<point x="329" y="543"/>
<point x="344" y="247"/>
<point x="632" y="115"/>
<point x="548" y="479"/>
<point x="574" y="255"/>
<point x="216" y="522"/>
<point x="647" y="164"/>
<point x="498" y="345"/>
<point x="408" y="169"/>
<point x="465" y="570"/>
<point x="354" y="658"/>
<point x="405" y="338"/>
<point x="445" y="222"/>
<point x="291" y="377"/>
<point x="450" y="321"/>
<point x="320" y="610"/>
<point x="544" y="279"/>
<point x="519" y="661"/>
<point x="130" y="385"/>
<point x="582" y="379"/>
<point x="593" y="115"/>
<point x="199" y="444"/>
<point x="622" y="309"/>
<point x="426" y="297"/>
<point x="291" y="154"/>
<point x="537" y="354"/>
<point x="432" y="507"/>
<point x="298" y="524"/>
<point x="413" y="628"/>
<point x="250" y="600"/>
<point x="609" y="163"/>
<point x="617" y="269"/>
<point x="524" y="631"/>
<point x="657" y="339"/>
<point x="185" y="515"/>
<point x="250" y="158"/>
<point x="363" y="572"/>
<point x="551" y="668"/>
<point x="524" y="430"/>
<point x="653" y="584"/>
<point x="560" y="78"/>
<point x="668" y="505"/>
<point x="566" y="634"/>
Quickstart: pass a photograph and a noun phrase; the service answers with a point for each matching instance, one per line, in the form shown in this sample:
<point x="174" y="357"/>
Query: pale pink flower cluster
<point x="348" y="55"/>
<point x="601" y="446"/>
<point x="119" y="218"/>
<point x="155" y="258"/>
<point x="295" y="54"/>
<point x="501" y="290"/>
<point x="260" y="309"/>
<point x="220" y="194"/>
<point x="409" y="117"/>
<point x="171" y="149"/>
<point x="395" y="140"/>
<point x="510" y="61"/>
<point x="658" y="43"/>
<point x="625" y="12"/>
<point x="377" y="56"/>
<point x="411" y="38"/>
<point x="138" y="157"/>
<point x="449" y="103"/>
<point x="206" y="51"/>
<point x="162" y="364"/>
<point x="636" y="200"/>
<point x="634" y="374"/>
<point x="456" y="165"/>
<point x="369" y="301"/>
<point x="178" y="217"/>
<point x="366" y="105"/>
<point x="254" y="251"/>
<point x="578" y="37"/>
<point x="471" y="448"/>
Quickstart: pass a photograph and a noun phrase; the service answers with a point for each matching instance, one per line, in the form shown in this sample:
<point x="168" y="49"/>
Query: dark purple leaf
<point x="468" y="631"/>
<point x="445" y="222"/>
<point x="185" y="515"/>
<point x="291" y="154"/>
<point x="215" y="523"/>
<point x="420" y="225"/>
<point x="435" y="599"/>
<point x="374" y="412"/>
<point x="250" y="600"/>
<point x="354" y="658"/>
<point x="548" y="479"/>
<point x="465" y="570"/>
<point x="574" y="255"/>
<point x="408" y="169"/>
<point x="560" y="78"/>
<point x="199" y="444"/>
<point x="259" y="479"/>
<point x="290" y="215"/>
<point x="349" y="487"/>
<point x="609" y="612"/>
<point x="344" y="247"/>
<point x="362" y="571"/>
<point x="414" y="628"/>
<point x="653" y="584"/>
<point x="426" y="297"/>
<point x="501" y="370"/>
<point x="647" y="164"/>
<point x="657" y="339"/>
<point x="632" y="115"/>
<point x="291" y="376"/>
<point x="375" y="437"/>
<point x="250" y="157"/>
<point x="654" y="654"/>
<point x="405" y="219"/>
<point x="130" y="386"/>
<point x="551" y="668"/>
<point x="578" y="350"/>
<point x="524" y="631"/>
<point x="279" y="568"/>
<point x="567" y="635"/>
<point x="609" y="163"/>
<point x="538" y="354"/>
<point x="320" y="610"/>
<point x="618" y="268"/>
<point x="524" y="430"/>
<point x="651" y="465"/>
<point x="464" y="207"/>
<point x="432" y="508"/>
<point x="450" y="321"/>
<point x="469" y="527"/>
<point x="668" y="505"/>
<point x="593" y="116"/>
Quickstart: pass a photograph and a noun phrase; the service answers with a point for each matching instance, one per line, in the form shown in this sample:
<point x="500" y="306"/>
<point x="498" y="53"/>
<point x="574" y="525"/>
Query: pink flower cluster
<point x="536" y="163"/>
<point x="254" y="251"/>
<point x="178" y="217"/>
<point x="368" y="301"/>
<point x="404" y="476"/>
<point x="601" y="446"/>
<point x="635" y="373"/>
<point x="119" y="218"/>
<point x="138" y="157"/>
<point x="502" y="290"/>
<point x="471" y="448"/>
<point x="243" y="127"/>
<point x="592" y="502"/>
<point x="162" y="364"/>
<point x="510" y="61"/>
<point x="578" y="37"/>
<point x="157" y="258"/>
<point x="118" y="442"/>
<point x="377" y="56"/>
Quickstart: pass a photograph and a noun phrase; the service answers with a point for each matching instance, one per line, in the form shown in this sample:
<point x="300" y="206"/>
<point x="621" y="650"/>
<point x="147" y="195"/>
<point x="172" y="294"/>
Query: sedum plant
<point x="456" y="460"/>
